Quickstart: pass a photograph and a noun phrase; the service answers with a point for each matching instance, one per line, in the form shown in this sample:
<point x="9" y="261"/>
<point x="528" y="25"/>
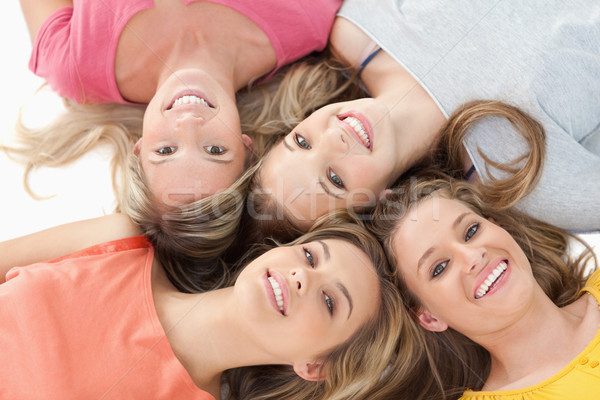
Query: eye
<point x="165" y="151"/>
<point x="438" y="269"/>
<point x="335" y="179"/>
<point x="217" y="150"/>
<point x="329" y="303"/>
<point x="301" y="142"/>
<point x="471" y="232"/>
<point x="309" y="258"/>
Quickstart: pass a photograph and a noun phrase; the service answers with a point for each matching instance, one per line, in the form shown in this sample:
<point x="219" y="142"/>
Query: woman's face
<point x="300" y="301"/>
<point x="192" y="145"/>
<point x="468" y="272"/>
<point x="341" y="156"/>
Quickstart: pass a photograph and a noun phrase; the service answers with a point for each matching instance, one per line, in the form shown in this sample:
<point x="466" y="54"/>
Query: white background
<point x="80" y="191"/>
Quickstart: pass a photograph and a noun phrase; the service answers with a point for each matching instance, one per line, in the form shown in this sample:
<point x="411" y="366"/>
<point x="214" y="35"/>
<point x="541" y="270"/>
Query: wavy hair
<point x="356" y="368"/>
<point x="444" y="364"/>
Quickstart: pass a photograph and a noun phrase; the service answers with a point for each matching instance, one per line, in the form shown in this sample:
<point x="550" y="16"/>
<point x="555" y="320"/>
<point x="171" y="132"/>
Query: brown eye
<point x="165" y="151"/>
<point x="215" y="150"/>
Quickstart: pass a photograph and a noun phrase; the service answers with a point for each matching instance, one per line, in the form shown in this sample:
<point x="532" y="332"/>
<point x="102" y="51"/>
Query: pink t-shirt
<point x="85" y="327"/>
<point x="75" y="47"/>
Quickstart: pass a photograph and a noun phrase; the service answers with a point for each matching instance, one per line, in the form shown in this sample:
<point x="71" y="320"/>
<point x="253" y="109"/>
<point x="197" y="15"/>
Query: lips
<point x="358" y="127"/>
<point x="189" y="98"/>
<point x="277" y="291"/>
<point x="491" y="277"/>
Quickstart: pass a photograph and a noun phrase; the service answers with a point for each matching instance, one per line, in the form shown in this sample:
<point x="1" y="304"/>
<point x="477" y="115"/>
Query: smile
<point x="358" y="129"/>
<point x="493" y="278"/>
<point x="187" y="98"/>
<point x="277" y="292"/>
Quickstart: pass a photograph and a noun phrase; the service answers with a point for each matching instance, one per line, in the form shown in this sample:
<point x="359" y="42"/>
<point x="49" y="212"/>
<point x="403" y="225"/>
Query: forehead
<point x="430" y="220"/>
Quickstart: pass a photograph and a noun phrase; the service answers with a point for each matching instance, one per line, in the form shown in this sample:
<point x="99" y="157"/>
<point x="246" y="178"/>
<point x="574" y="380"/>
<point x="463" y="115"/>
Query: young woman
<point x="187" y="59"/>
<point x="420" y="63"/>
<point x="107" y="323"/>
<point x="500" y="308"/>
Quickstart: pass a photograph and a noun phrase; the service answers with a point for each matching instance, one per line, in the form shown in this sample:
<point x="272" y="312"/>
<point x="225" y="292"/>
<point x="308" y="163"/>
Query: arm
<point x="63" y="239"/>
<point x="37" y="11"/>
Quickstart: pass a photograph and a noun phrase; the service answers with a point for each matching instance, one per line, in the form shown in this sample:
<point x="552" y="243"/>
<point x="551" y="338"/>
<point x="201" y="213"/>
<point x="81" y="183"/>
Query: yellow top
<point x="580" y="379"/>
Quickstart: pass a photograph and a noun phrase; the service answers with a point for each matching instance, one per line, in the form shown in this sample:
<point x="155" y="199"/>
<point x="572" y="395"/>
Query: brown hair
<point x="523" y="172"/>
<point x="446" y="363"/>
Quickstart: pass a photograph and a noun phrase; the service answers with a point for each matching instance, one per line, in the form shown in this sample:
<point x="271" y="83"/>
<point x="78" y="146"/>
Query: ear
<point x="137" y="147"/>
<point x="430" y="322"/>
<point x="492" y="220"/>
<point x="385" y="195"/>
<point x="247" y="142"/>
<point x="310" y="371"/>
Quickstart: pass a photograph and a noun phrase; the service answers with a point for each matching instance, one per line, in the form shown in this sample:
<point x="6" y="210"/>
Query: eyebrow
<point x="286" y="144"/>
<point x="211" y="159"/>
<point x="430" y="250"/>
<point x="328" y="191"/>
<point x="339" y="285"/>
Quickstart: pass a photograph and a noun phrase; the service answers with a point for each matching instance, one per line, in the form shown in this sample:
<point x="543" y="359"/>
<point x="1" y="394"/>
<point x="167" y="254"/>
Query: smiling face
<point x="192" y="145"/>
<point x="468" y="272"/>
<point x="342" y="156"/>
<point x="298" y="302"/>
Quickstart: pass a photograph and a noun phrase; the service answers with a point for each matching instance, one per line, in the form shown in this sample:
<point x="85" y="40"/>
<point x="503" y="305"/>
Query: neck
<point x="415" y="116"/>
<point x="203" y="332"/>
<point x="520" y="353"/>
<point x="236" y="56"/>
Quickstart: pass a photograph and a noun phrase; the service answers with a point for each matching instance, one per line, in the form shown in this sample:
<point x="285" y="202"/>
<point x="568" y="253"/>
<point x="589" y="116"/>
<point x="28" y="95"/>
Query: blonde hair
<point x="443" y="364"/>
<point x="195" y="241"/>
<point x="356" y="368"/>
<point x="274" y="108"/>
<point x="81" y="128"/>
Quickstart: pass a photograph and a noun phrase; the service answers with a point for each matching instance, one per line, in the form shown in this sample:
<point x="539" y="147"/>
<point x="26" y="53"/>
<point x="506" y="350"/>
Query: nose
<point x="299" y="280"/>
<point x="335" y="140"/>
<point x="473" y="258"/>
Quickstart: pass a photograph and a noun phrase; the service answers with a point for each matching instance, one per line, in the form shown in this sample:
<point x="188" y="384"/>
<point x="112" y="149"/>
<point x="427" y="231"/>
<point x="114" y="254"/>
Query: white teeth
<point x="359" y="129"/>
<point x="491" y="279"/>
<point x="189" y="99"/>
<point x="277" y="291"/>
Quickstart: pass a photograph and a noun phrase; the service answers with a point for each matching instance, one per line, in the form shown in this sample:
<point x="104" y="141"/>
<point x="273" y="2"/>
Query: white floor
<point x="80" y="191"/>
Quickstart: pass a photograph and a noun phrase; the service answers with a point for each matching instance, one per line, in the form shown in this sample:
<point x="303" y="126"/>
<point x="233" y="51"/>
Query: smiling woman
<point x="483" y="285"/>
<point x="338" y="307"/>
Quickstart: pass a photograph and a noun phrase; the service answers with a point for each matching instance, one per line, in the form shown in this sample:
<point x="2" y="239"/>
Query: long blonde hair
<point x="356" y="368"/>
<point x="76" y="131"/>
<point x="442" y="365"/>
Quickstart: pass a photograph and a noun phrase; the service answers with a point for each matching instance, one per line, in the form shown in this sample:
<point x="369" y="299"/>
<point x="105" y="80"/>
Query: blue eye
<point x="335" y="179"/>
<point x="329" y="303"/>
<point x="214" y="150"/>
<point x="438" y="269"/>
<point x="165" y="151"/>
<point x="309" y="258"/>
<point x="302" y="143"/>
<point x="471" y="232"/>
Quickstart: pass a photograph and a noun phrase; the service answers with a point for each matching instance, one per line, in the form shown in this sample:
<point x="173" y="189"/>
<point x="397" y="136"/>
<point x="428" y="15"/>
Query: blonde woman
<point x="108" y="322"/>
<point x="500" y="305"/>
<point x="421" y="62"/>
<point x="186" y="59"/>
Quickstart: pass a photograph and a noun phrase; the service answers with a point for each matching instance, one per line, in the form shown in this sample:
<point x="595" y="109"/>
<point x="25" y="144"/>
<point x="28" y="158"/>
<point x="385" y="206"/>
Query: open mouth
<point x="492" y="280"/>
<point x="358" y="128"/>
<point x="185" y="99"/>
<point x="277" y="292"/>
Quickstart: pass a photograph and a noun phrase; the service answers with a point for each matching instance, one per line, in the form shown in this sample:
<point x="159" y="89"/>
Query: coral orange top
<point x="85" y="327"/>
